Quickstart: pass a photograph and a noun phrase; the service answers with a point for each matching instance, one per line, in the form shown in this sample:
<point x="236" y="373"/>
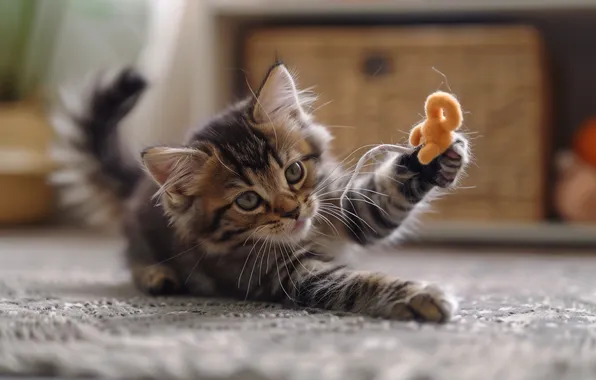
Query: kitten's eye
<point x="294" y="173"/>
<point x="248" y="201"/>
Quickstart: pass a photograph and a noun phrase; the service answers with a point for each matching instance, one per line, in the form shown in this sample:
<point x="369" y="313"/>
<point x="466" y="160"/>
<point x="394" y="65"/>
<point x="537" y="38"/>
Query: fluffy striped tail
<point x="95" y="176"/>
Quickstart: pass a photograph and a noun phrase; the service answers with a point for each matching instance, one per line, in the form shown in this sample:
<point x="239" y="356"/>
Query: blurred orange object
<point x="575" y="192"/>
<point x="584" y="142"/>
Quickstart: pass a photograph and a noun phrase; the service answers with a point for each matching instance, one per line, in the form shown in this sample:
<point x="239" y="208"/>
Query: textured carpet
<point x="67" y="309"/>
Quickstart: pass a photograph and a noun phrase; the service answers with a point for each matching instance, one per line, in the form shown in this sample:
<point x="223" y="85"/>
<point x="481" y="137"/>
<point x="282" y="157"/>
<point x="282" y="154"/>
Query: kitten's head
<point x="249" y="173"/>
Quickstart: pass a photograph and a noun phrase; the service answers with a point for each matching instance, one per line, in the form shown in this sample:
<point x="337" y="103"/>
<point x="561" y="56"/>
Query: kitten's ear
<point x="170" y="167"/>
<point x="278" y="96"/>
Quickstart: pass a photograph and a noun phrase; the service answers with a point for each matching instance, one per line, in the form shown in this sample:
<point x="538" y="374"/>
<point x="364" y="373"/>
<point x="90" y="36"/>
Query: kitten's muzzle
<point x="293" y="214"/>
<point x="286" y="206"/>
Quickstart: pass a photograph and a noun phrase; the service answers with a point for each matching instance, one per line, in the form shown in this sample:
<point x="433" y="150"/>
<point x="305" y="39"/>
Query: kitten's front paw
<point x="443" y="170"/>
<point x="157" y="280"/>
<point x="425" y="303"/>
<point x="448" y="165"/>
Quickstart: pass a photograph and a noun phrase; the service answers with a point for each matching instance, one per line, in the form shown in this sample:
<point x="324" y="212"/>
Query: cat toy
<point x="443" y="116"/>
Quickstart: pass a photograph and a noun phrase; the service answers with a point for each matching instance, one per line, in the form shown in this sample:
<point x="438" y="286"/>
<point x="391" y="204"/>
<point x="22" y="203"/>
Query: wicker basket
<point x="375" y="81"/>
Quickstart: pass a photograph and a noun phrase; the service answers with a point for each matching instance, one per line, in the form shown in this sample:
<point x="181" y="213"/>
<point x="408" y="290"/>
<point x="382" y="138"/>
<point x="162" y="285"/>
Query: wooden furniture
<point x="373" y="83"/>
<point x="567" y="26"/>
<point x="25" y="194"/>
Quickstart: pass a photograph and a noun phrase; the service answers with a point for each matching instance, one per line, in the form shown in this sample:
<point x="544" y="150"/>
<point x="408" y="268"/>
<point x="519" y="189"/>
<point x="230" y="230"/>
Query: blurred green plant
<point x="26" y="40"/>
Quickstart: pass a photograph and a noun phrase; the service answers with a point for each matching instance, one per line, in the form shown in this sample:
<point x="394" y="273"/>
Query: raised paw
<point x="446" y="168"/>
<point x="424" y="303"/>
<point x="156" y="280"/>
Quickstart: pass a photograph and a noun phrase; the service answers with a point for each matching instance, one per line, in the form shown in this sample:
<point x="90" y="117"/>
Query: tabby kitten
<point x="248" y="207"/>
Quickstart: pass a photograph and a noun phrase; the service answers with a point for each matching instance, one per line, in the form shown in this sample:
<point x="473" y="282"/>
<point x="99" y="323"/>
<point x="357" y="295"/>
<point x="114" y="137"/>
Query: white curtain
<point x="178" y="33"/>
<point x="163" y="37"/>
<point x="91" y="35"/>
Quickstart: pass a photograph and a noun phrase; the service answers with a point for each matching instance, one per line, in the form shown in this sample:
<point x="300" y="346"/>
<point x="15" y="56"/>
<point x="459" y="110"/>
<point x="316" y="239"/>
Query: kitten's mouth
<point x="300" y="226"/>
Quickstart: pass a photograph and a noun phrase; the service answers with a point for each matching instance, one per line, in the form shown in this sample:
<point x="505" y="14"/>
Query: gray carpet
<point x="67" y="309"/>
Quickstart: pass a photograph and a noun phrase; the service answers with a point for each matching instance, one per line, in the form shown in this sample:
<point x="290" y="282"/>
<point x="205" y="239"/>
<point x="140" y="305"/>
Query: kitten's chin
<point x="301" y="229"/>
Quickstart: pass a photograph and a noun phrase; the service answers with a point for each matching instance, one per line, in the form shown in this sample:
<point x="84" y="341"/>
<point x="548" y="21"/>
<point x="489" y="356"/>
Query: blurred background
<point x="522" y="69"/>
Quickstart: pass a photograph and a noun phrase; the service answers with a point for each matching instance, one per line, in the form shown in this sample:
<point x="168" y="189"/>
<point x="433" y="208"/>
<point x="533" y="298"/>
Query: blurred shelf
<point x="247" y="8"/>
<point x="543" y="234"/>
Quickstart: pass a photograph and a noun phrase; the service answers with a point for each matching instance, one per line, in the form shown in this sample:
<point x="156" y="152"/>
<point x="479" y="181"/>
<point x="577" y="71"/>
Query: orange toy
<point x="584" y="142"/>
<point x="575" y="190"/>
<point x="443" y="116"/>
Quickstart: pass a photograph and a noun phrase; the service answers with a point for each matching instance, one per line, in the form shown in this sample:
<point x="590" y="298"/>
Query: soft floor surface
<point x="67" y="309"/>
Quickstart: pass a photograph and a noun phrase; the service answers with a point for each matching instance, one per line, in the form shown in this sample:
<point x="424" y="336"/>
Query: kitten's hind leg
<point x="156" y="279"/>
<point x="334" y="287"/>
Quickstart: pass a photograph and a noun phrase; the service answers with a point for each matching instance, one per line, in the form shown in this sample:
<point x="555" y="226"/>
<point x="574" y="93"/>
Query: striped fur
<point x="94" y="176"/>
<point x="196" y="238"/>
